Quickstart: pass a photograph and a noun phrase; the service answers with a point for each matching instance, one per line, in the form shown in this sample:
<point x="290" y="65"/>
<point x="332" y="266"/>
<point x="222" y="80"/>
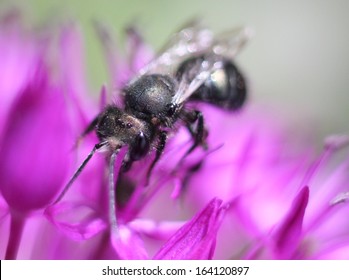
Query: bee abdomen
<point x="225" y="88"/>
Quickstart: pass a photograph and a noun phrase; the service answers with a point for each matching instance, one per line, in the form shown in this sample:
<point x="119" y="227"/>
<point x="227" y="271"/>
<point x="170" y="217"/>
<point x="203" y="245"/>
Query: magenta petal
<point x="289" y="232"/>
<point x="336" y="252"/>
<point x="119" y="71"/>
<point x="128" y="245"/>
<point x="336" y="142"/>
<point x="77" y="221"/>
<point x="4" y="211"/>
<point x="196" y="239"/>
<point x="103" y="98"/>
<point x="35" y="151"/>
<point x="140" y="53"/>
<point x="72" y="61"/>
<point x="158" y="230"/>
<point x="72" y="73"/>
<point x="19" y="56"/>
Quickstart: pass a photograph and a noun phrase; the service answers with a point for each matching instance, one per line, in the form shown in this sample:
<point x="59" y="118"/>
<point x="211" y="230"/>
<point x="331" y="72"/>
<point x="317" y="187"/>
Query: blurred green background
<point x="297" y="62"/>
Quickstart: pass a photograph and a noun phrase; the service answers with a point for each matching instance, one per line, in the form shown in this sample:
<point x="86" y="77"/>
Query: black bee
<point x="195" y="66"/>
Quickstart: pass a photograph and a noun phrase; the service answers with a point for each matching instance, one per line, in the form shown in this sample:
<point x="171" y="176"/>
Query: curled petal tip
<point x="336" y="142"/>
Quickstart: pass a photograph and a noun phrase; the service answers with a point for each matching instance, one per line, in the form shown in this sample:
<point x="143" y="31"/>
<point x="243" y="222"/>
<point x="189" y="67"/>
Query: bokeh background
<point x="297" y="62"/>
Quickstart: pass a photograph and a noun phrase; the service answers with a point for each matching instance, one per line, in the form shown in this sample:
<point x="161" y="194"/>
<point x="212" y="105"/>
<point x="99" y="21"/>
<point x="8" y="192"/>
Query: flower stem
<point x="16" y="230"/>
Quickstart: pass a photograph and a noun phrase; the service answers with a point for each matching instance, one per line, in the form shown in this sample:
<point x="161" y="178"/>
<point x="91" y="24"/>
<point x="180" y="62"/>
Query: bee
<point x="194" y="66"/>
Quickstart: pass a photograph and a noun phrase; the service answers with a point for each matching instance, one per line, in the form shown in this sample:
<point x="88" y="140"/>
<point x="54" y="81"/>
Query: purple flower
<point x="284" y="205"/>
<point x="251" y="195"/>
<point x="39" y="119"/>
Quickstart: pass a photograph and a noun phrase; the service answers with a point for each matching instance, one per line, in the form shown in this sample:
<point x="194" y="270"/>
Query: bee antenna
<point x="78" y="171"/>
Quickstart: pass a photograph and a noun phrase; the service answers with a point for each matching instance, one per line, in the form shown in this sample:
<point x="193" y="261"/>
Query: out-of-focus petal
<point x="288" y="234"/>
<point x="19" y="56"/>
<point x="35" y="149"/>
<point x="158" y="230"/>
<point x="72" y="74"/>
<point x="139" y="52"/>
<point x="127" y="244"/>
<point x="78" y="221"/>
<point x="339" y="251"/>
<point x="118" y="68"/>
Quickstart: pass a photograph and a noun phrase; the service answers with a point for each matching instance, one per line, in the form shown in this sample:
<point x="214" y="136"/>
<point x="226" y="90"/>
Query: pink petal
<point x="73" y="81"/>
<point x="4" y="211"/>
<point x="118" y="69"/>
<point x="140" y="53"/>
<point x="77" y="221"/>
<point x="127" y="244"/>
<point x="35" y="149"/>
<point x="19" y="56"/>
<point x="288" y="234"/>
<point x="196" y="239"/>
<point x="158" y="230"/>
<point x="335" y="252"/>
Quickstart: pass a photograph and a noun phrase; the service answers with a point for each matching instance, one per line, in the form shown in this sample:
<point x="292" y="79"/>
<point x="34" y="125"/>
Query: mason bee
<point x="194" y="66"/>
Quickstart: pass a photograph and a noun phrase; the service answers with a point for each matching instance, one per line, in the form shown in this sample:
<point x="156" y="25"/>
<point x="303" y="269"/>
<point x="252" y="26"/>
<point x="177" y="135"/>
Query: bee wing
<point x="228" y="45"/>
<point x="192" y="39"/>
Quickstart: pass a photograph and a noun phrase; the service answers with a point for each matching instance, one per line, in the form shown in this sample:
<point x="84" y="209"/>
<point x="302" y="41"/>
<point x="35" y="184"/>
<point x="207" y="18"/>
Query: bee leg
<point x="88" y="129"/>
<point x="159" y="150"/>
<point x="189" y="173"/>
<point x="199" y="133"/>
<point x="126" y="165"/>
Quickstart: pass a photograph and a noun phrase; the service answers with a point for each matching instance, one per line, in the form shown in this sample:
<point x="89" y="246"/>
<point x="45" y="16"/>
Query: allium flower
<point x="251" y="195"/>
<point x="38" y="122"/>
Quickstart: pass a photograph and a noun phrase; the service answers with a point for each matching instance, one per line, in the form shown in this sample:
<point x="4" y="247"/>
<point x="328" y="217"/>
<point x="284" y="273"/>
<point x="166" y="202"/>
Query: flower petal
<point x="288" y="234"/>
<point x="127" y="244"/>
<point x="336" y="252"/>
<point x="118" y="69"/>
<point x="140" y="53"/>
<point x="77" y="221"/>
<point x="36" y="148"/>
<point x="72" y="74"/>
<point x="19" y="61"/>
<point x="158" y="230"/>
<point x="196" y="239"/>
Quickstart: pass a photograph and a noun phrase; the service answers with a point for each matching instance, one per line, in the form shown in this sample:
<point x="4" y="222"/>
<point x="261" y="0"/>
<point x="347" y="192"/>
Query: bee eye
<point x="171" y="109"/>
